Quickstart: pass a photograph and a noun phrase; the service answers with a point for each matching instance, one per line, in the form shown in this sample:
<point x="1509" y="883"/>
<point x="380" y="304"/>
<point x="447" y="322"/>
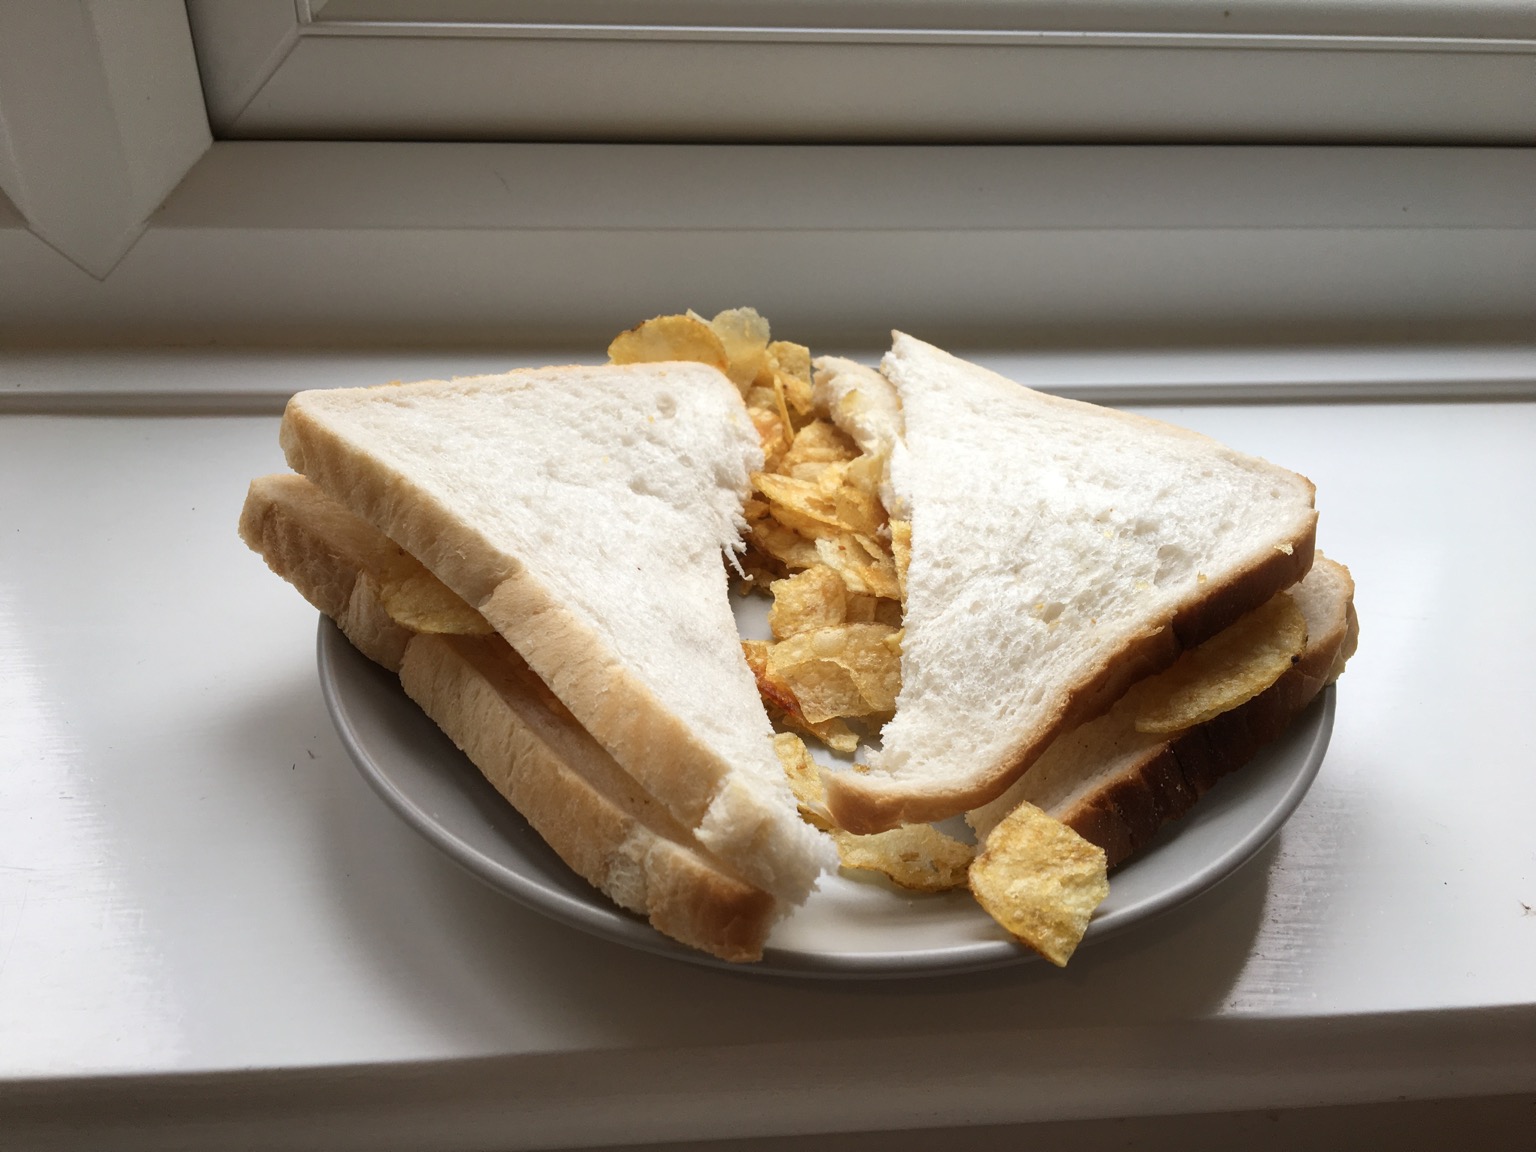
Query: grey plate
<point x="849" y="928"/>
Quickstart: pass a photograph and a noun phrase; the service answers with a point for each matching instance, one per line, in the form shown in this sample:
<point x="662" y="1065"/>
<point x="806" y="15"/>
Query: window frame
<point x="1047" y="245"/>
<point x="1094" y="71"/>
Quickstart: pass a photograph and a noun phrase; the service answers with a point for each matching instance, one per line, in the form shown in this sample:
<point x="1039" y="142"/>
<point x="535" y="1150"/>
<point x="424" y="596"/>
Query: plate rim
<point x="597" y="916"/>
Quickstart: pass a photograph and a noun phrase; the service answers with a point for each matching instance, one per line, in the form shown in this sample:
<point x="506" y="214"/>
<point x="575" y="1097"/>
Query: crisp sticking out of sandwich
<point x="583" y="512"/>
<point x="1059" y="552"/>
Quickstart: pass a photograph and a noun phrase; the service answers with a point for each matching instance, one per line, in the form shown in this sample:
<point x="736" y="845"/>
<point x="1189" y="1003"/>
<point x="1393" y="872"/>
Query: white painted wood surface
<point x="206" y="916"/>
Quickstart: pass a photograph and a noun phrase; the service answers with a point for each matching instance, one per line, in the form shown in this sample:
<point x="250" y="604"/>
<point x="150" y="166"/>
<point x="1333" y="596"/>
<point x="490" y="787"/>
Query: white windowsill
<point x="216" y="918"/>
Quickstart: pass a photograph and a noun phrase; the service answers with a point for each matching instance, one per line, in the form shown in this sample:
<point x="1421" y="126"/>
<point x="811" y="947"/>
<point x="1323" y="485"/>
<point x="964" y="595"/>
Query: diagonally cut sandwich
<point x="583" y="512"/>
<point x="1108" y="781"/>
<point x="469" y="681"/>
<point x="997" y="582"/>
<point x="1058" y="553"/>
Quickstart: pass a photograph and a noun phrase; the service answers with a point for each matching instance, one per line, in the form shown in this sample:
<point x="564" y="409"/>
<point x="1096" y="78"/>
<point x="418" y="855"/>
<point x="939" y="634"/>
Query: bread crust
<point x="1163" y="782"/>
<point x="475" y="689"/>
<point x="512" y="728"/>
<point x="329" y="557"/>
<point x="872" y="803"/>
<point x="657" y="748"/>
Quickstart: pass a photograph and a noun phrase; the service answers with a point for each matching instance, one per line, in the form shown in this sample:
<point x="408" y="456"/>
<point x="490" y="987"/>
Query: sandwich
<point x="1059" y="552"/>
<point x="1048" y="557"/>
<point x="980" y="597"/>
<point x="482" y="694"/>
<point x="584" y="512"/>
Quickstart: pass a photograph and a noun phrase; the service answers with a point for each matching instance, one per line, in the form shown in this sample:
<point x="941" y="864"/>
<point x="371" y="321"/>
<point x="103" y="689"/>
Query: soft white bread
<point x="484" y="697"/>
<point x="1060" y="551"/>
<point x="1117" y="787"/>
<point x="584" y="512"/>
<point x="864" y="405"/>
<point x="861" y="402"/>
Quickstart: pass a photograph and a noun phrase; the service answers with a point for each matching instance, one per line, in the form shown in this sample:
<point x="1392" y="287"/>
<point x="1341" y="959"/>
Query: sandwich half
<point x="450" y="661"/>
<point x="583" y="512"/>
<point x="1059" y="552"/>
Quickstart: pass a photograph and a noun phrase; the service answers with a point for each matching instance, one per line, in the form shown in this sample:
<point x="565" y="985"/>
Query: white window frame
<point x="515" y="244"/>
<point x="861" y="71"/>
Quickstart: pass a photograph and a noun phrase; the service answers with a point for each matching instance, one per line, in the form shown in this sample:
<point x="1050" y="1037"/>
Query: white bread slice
<point x="1117" y="787"/>
<point x="1060" y="551"/>
<point x="583" y="511"/>
<point x="484" y="697"/>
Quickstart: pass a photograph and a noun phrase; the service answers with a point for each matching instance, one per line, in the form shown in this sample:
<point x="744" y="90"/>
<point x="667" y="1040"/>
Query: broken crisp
<point x="664" y="338"/>
<point x="915" y="856"/>
<point x="1041" y="881"/>
<point x="846" y="670"/>
<point x="815" y="598"/>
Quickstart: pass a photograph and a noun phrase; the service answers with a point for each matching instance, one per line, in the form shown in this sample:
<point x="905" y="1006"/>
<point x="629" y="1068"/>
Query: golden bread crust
<point x="655" y="747"/>
<point x="476" y="690"/>
<point x="330" y="557"/>
<point x="1123" y="814"/>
